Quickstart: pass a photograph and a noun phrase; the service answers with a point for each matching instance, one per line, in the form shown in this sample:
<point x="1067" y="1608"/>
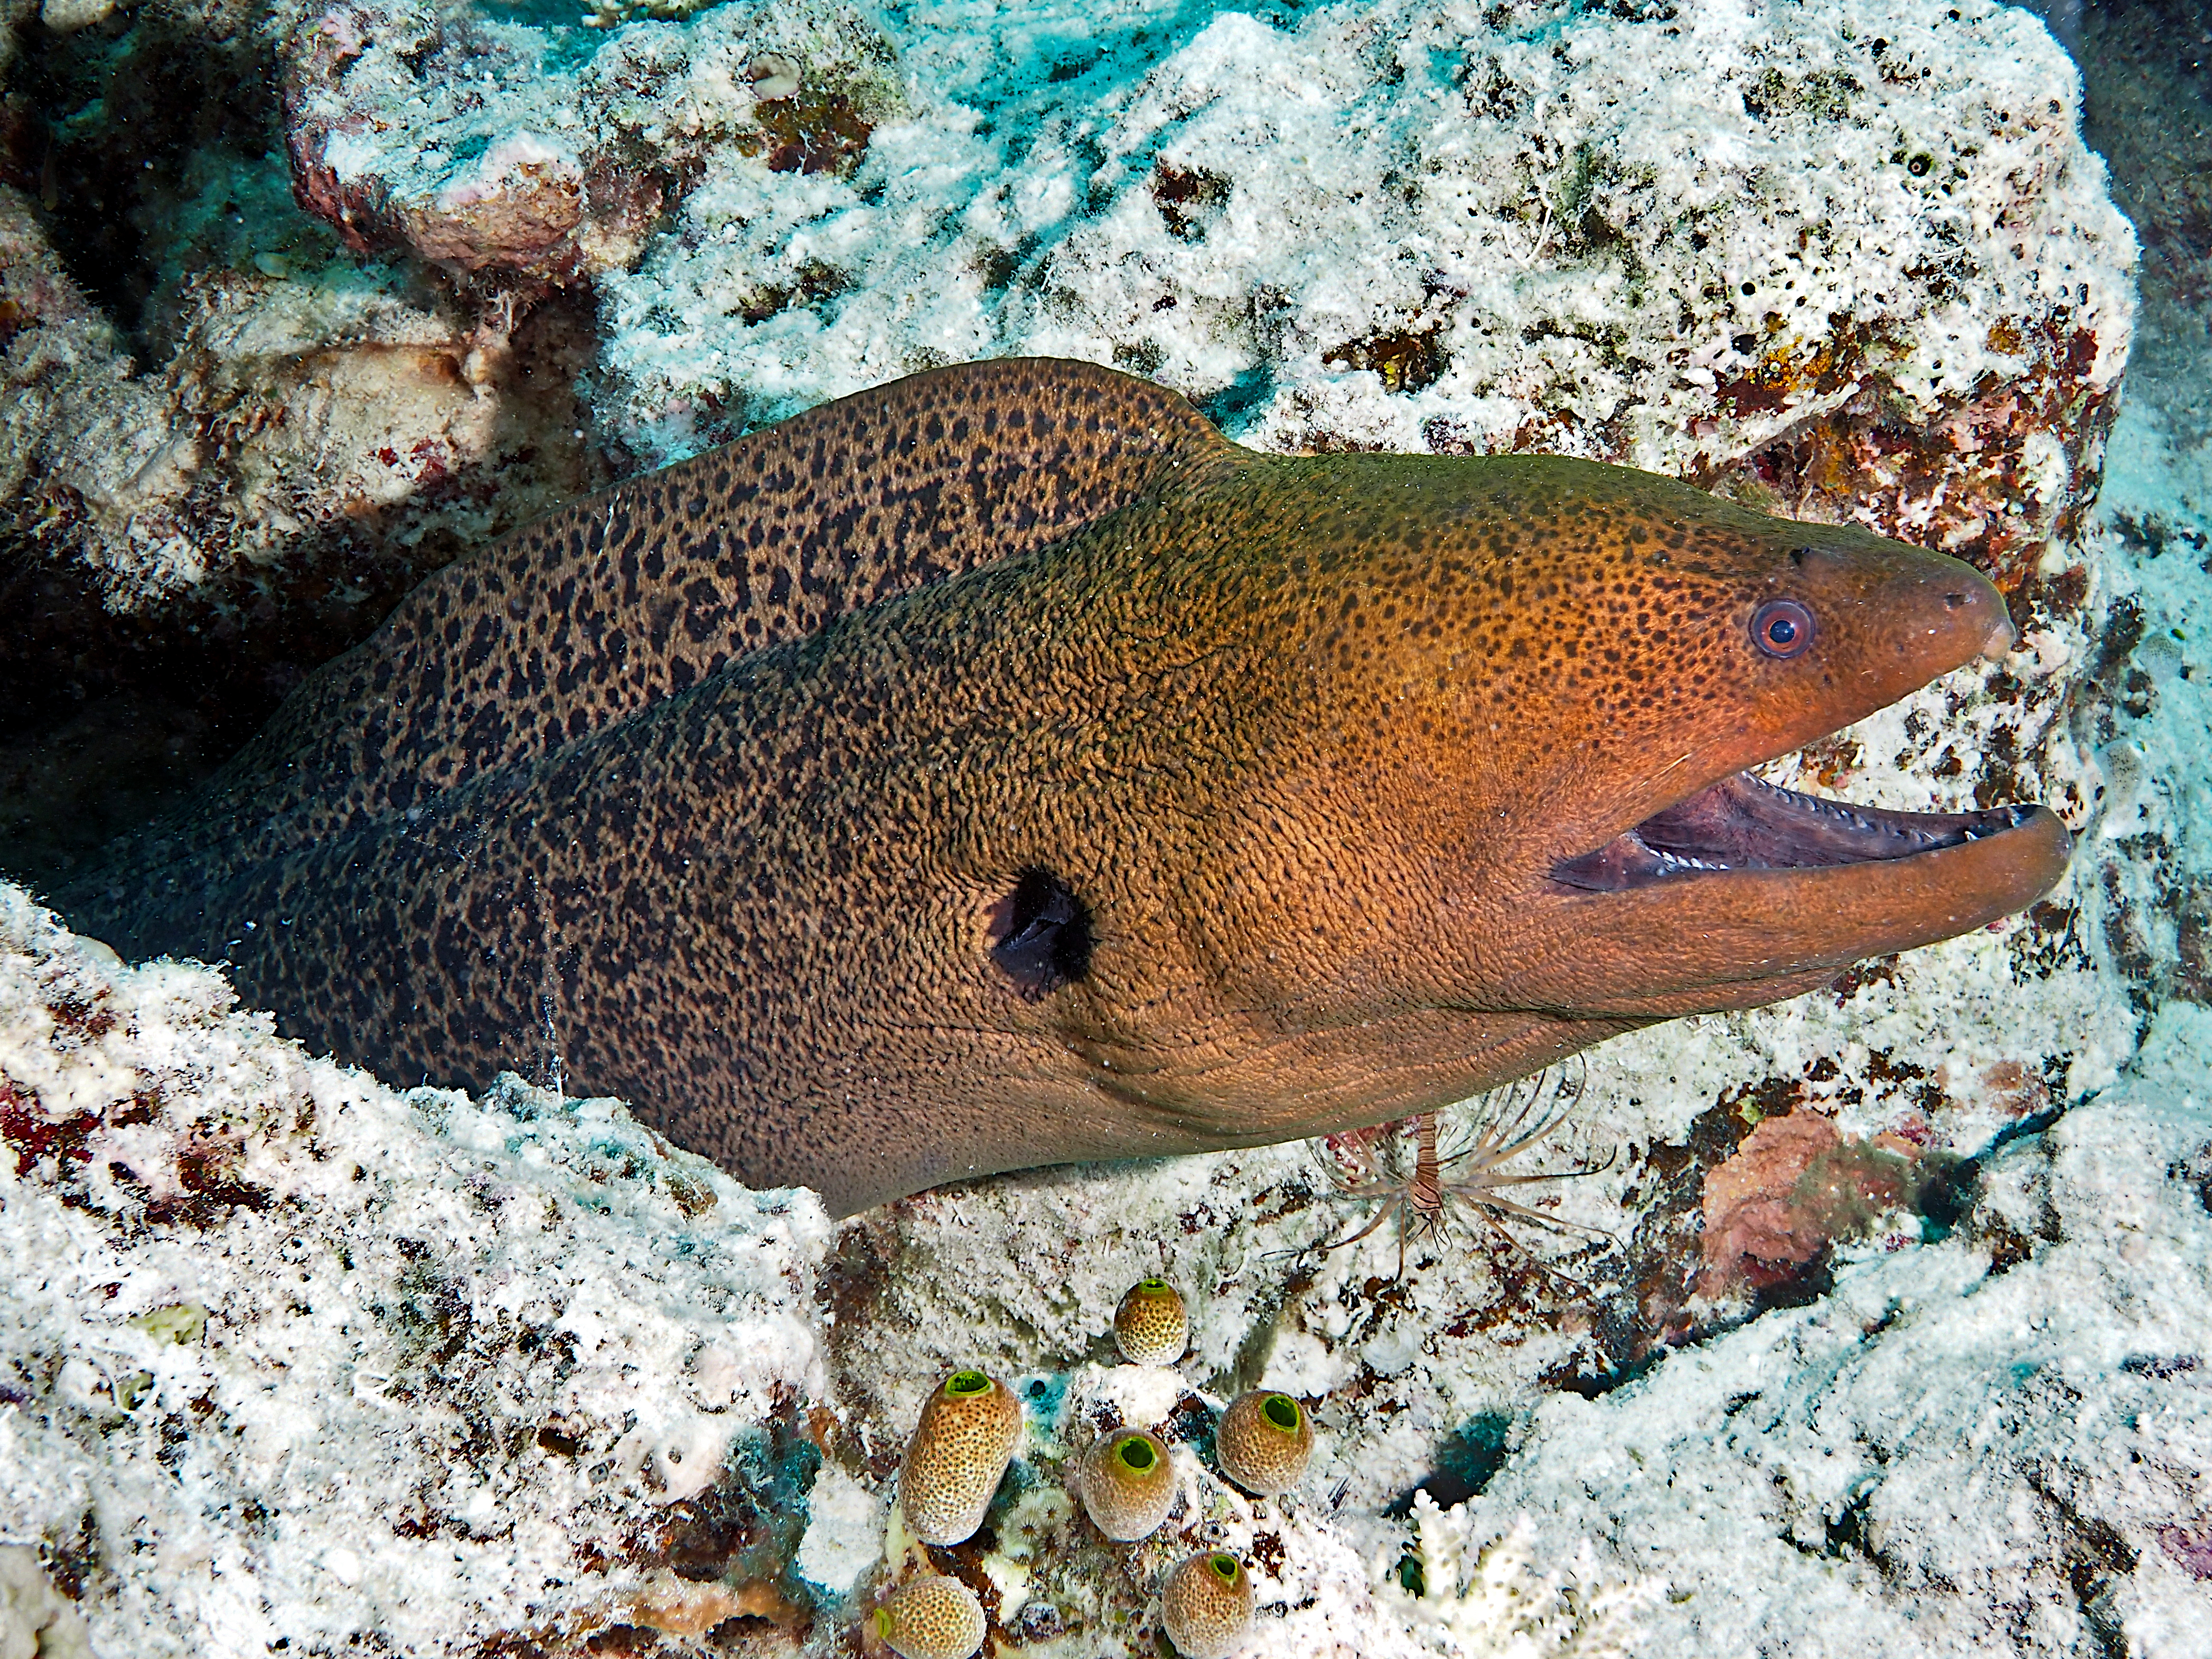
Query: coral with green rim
<point x="1263" y="1441"/>
<point x="1206" y="1605"/>
<point x="1151" y="1326"/>
<point x="1127" y="1484"/>
<point x="960" y="1448"/>
<point x="932" y="1618"/>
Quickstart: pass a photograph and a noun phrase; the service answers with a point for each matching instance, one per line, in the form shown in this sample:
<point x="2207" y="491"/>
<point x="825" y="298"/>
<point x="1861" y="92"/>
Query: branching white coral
<point x="1496" y="1602"/>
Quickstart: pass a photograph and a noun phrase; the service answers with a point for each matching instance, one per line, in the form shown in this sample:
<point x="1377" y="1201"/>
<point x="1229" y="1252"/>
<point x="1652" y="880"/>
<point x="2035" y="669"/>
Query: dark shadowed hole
<point x="1466" y="1463"/>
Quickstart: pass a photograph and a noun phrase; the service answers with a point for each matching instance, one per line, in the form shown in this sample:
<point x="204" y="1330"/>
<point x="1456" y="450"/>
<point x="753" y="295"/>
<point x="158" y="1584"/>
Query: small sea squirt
<point x="1206" y="1605"/>
<point x="1127" y="1484"/>
<point x="959" y="1453"/>
<point x="1151" y="1327"/>
<point x="1263" y="1442"/>
<point x="932" y="1618"/>
<point x="1000" y="767"/>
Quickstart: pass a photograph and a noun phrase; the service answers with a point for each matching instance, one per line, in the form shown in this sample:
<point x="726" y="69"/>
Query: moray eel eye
<point x="1782" y="628"/>
<point x="1040" y="934"/>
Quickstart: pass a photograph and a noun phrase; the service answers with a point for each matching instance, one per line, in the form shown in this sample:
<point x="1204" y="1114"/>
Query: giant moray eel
<point x="1000" y="767"/>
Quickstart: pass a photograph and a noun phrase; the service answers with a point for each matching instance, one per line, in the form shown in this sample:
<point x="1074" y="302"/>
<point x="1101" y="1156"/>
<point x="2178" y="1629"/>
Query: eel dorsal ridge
<point x="617" y="601"/>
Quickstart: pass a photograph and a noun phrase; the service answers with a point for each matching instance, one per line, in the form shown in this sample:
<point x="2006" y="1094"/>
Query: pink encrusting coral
<point x="1796" y="1186"/>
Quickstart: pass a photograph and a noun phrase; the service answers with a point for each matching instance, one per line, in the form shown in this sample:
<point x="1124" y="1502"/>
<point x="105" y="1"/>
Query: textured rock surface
<point x="1861" y="273"/>
<point x="489" y="146"/>
<point x="244" y="417"/>
<point x="227" y="444"/>
<point x="1997" y="1442"/>
<point x="285" y="406"/>
<point x="285" y="1354"/>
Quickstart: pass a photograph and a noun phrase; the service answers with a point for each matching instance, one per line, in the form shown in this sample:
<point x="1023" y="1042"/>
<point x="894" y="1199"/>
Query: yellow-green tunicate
<point x="932" y="1618"/>
<point x="1206" y="1606"/>
<point x="960" y="1448"/>
<point x="1150" y="1327"/>
<point x="1127" y="1484"/>
<point x="1263" y="1441"/>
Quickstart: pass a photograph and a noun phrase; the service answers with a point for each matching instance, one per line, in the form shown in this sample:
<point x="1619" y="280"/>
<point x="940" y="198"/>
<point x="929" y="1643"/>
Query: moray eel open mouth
<point x="1744" y="823"/>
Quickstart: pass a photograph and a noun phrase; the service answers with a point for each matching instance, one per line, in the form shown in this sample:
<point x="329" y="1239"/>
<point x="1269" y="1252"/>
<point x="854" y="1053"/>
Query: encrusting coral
<point x="1151" y="1326"/>
<point x="485" y="145"/>
<point x="1206" y="1605"/>
<point x="1797" y="1187"/>
<point x="1263" y="1442"/>
<point x="960" y="1449"/>
<point x="1127" y="1484"/>
<point x="934" y="1617"/>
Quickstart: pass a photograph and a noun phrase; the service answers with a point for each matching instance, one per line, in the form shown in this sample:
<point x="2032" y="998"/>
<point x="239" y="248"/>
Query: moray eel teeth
<point x="1745" y="823"/>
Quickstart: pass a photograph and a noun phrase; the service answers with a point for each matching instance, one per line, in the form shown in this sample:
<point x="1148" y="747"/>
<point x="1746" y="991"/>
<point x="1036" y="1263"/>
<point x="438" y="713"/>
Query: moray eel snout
<point x="1698" y="884"/>
<point x="1000" y="767"/>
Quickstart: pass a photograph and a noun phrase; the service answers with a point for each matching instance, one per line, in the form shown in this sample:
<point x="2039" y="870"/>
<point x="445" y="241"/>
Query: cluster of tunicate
<point x="961" y="1447"/>
<point x="1126" y="1481"/>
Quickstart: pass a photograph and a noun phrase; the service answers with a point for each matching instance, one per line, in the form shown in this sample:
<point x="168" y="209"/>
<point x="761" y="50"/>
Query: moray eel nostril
<point x="1000" y="767"/>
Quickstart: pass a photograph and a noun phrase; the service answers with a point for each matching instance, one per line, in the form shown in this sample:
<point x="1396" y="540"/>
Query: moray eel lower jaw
<point x="1743" y="892"/>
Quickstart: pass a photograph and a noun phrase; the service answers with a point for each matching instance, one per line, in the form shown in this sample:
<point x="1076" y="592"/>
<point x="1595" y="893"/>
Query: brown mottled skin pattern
<point x="707" y="792"/>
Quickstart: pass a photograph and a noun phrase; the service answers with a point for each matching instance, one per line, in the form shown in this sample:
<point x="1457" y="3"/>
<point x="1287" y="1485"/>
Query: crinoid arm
<point x="1390" y="1207"/>
<point x="1495" y="1128"/>
<point x="1486" y="1134"/>
<point x="1484" y="1197"/>
<point x="1393" y="1164"/>
<point x="1433" y="1172"/>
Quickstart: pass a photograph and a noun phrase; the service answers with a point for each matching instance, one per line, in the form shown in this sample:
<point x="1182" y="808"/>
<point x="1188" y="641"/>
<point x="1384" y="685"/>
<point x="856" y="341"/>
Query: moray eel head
<point x="1688" y="883"/>
<point x="1486" y="797"/>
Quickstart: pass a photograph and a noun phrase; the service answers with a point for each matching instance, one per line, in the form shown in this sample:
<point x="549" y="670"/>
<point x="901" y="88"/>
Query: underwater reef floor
<point x="1890" y="1333"/>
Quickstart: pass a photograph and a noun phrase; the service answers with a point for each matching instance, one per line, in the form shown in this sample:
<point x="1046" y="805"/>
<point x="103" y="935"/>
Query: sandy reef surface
<point x="1888" y="1336"/>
